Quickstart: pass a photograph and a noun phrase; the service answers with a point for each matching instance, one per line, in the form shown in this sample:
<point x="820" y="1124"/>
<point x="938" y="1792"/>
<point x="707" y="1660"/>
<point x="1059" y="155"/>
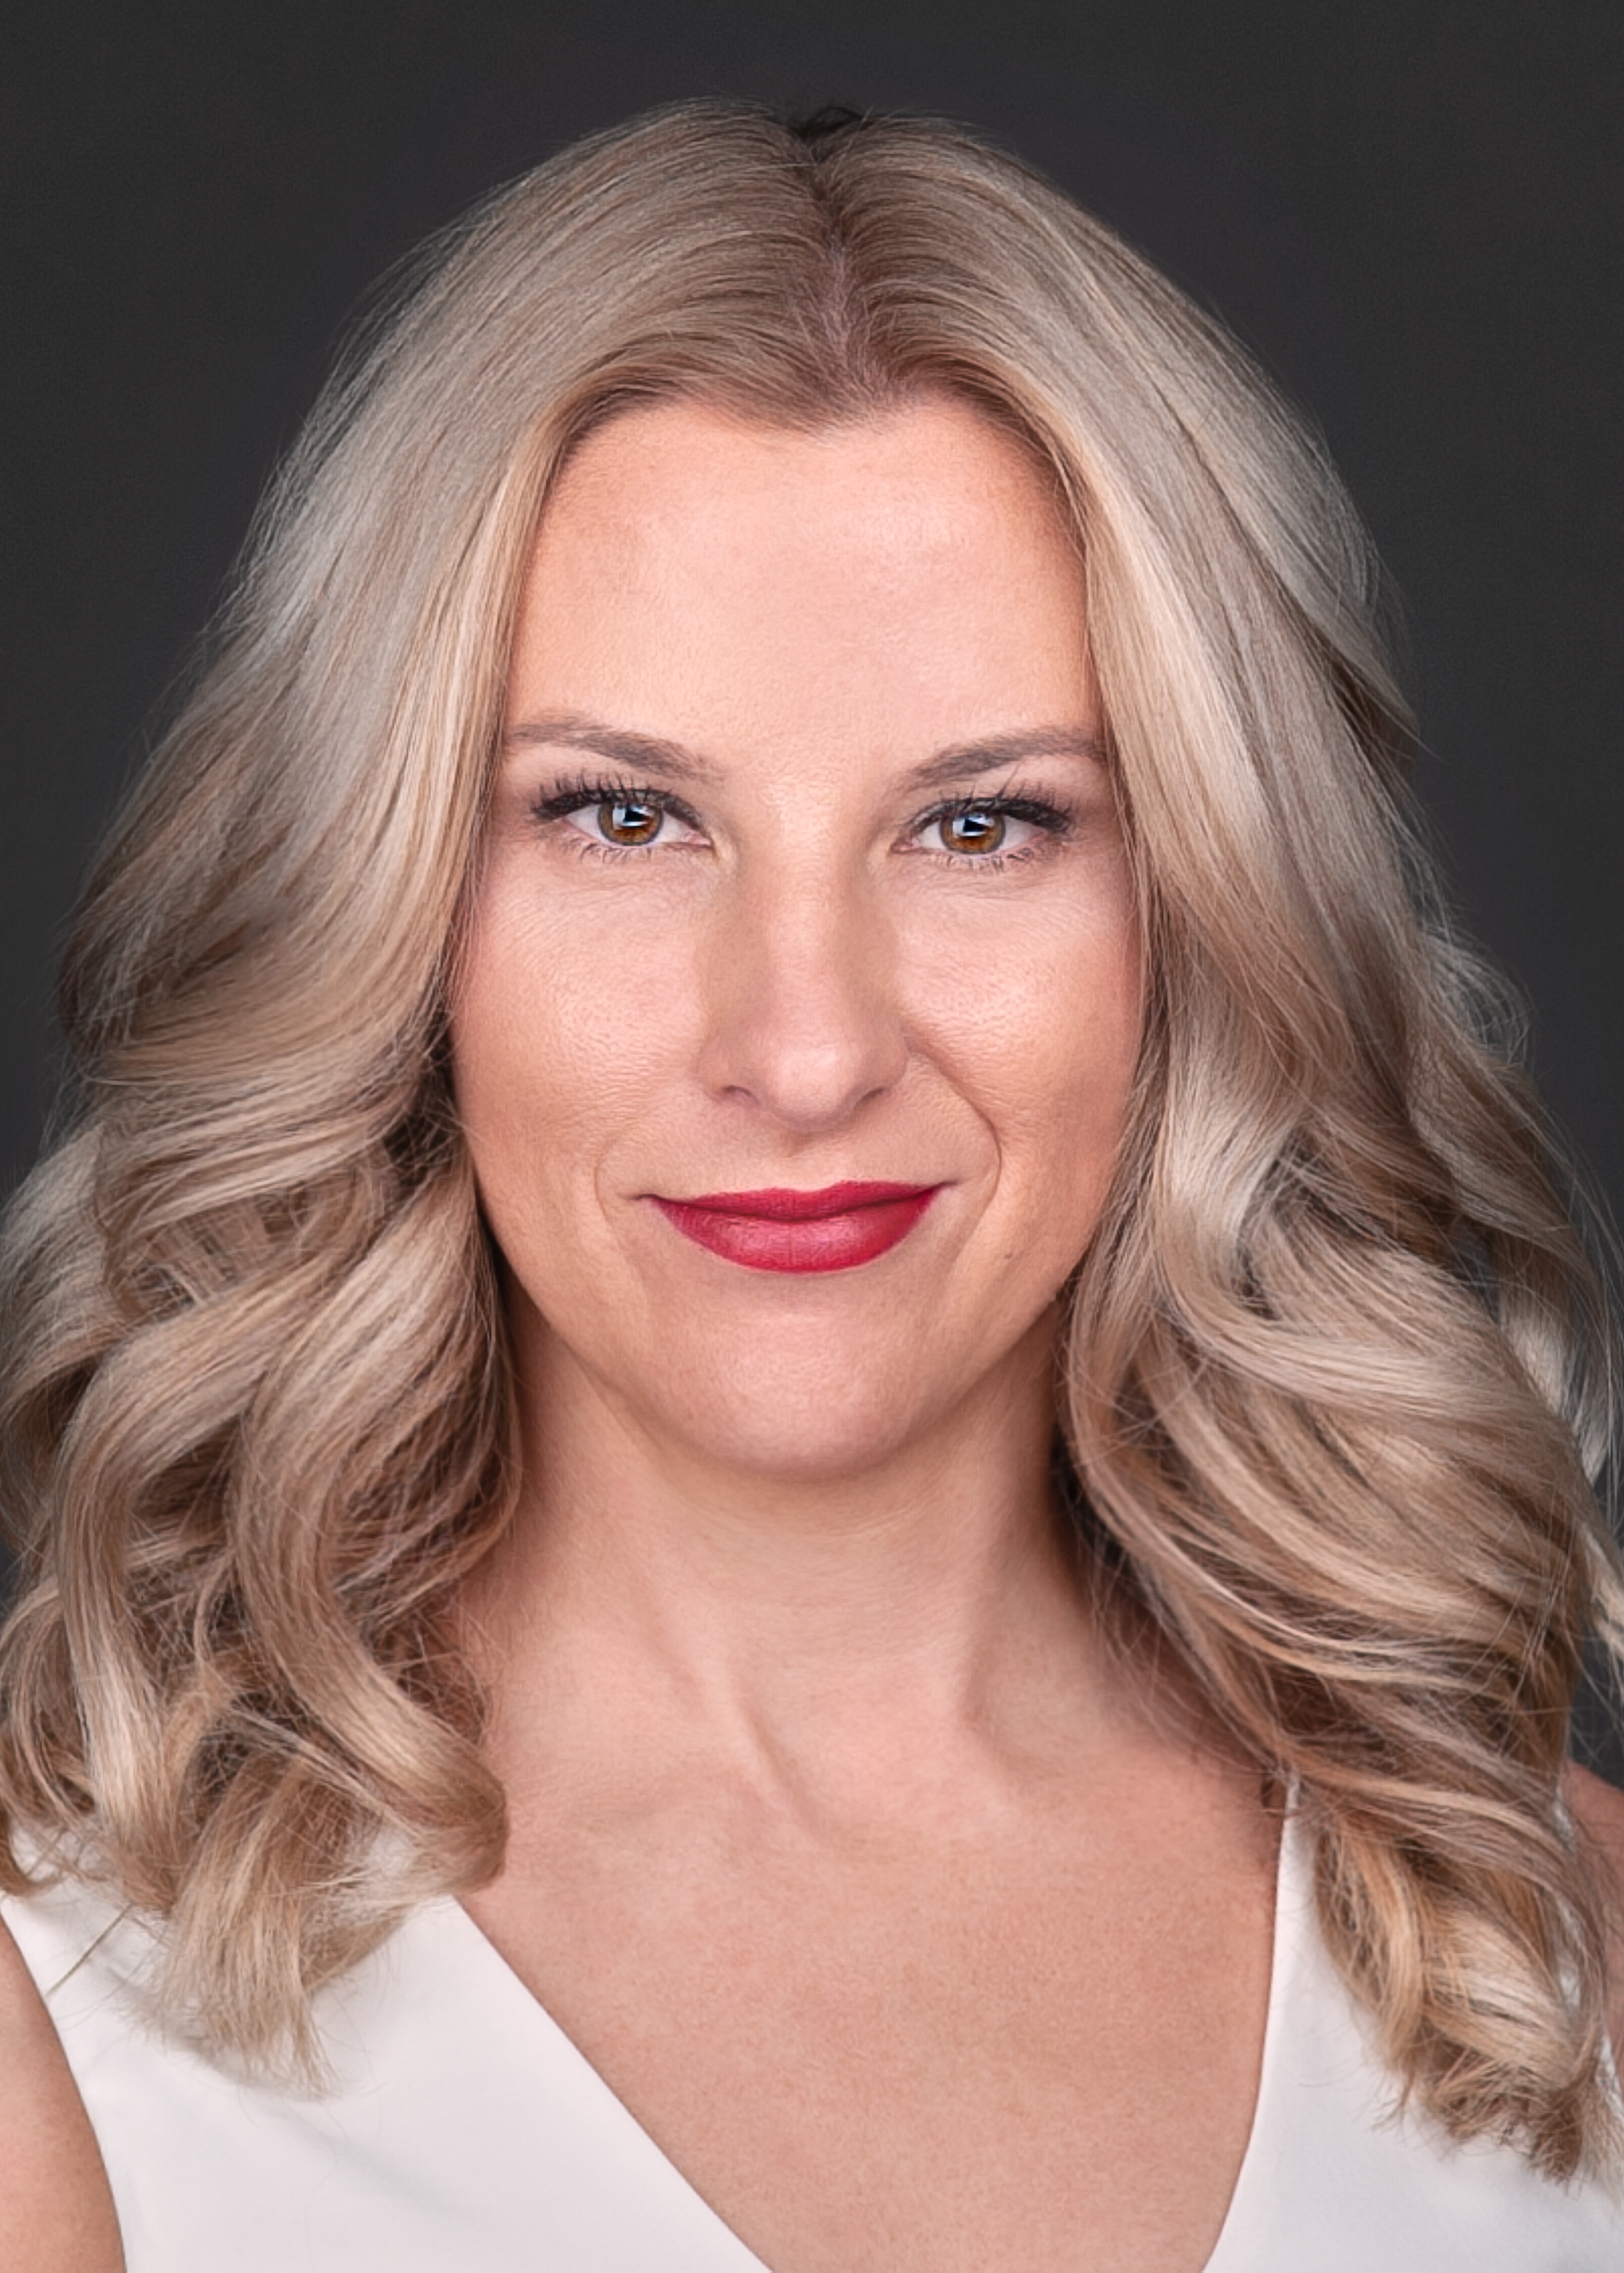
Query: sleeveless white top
<point x="467" y="2134"/>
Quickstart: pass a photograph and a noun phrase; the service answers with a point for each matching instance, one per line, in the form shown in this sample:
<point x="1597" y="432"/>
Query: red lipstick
<point x="777" y="1229"/>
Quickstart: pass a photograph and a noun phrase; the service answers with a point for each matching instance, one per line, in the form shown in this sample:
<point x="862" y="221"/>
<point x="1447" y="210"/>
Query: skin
<point x="817" y="1760"/>
<point x="56" y="2206"/>
<point x="808" y="988"/>
<point x="904" y="1917"/>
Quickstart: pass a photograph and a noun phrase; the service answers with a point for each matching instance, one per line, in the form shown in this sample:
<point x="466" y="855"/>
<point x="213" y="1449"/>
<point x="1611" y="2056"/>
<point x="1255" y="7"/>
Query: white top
<point x="467" y="2134"/>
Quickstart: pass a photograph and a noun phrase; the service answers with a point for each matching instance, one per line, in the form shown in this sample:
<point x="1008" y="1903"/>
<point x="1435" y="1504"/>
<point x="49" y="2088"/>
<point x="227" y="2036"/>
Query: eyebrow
<point x="572" y="729"/>
<point x="990" y="751"/>
<point x="652" y="753"/>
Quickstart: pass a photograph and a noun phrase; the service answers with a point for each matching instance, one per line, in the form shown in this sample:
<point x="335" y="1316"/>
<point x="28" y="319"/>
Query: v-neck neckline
<point x="1229" y="2254"/>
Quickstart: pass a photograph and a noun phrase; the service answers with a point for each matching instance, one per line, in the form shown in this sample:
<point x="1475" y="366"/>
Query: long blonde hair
<point x="1338" y="1379"/>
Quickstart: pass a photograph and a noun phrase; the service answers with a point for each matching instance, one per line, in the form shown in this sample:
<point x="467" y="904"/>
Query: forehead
<point x="918" y="464"/>
<point x="915" y="562"/>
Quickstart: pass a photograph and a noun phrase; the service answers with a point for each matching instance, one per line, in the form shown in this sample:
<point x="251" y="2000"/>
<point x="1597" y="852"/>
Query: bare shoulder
<point x="56" y="2207"/>
<point x="1598" y="1811"/>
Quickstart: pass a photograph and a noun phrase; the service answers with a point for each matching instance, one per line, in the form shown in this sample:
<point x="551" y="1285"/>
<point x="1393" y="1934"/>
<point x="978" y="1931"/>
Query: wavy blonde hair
<point x="1338" y="1377"/>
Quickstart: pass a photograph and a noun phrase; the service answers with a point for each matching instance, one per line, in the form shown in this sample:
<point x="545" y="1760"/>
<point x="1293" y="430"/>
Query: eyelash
<point x="581" y="790"/>
<point x="1042" y="813"/>
<point x="1053" y="820"/>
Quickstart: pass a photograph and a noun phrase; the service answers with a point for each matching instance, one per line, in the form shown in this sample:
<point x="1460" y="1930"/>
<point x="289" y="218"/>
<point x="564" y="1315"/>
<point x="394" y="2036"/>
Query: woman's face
<point x="805" y="872"/>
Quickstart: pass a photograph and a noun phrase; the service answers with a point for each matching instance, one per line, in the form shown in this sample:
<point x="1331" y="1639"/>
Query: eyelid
<point x="572" y="796"/>
<point x="1051" y="815"/>
<point x="1023" y="804"/>
<point x="1047" y="813"/>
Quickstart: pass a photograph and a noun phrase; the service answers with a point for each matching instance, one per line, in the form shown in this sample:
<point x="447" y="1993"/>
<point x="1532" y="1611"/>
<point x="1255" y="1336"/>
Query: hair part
<point x="1338" y="1381"/>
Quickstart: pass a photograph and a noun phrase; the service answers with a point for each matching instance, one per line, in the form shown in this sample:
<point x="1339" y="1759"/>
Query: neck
<point x="828" y="1631"/>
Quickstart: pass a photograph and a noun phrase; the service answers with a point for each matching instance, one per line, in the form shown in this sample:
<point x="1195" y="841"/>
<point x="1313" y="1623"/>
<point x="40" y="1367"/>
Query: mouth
<point x="782" y="1229"/>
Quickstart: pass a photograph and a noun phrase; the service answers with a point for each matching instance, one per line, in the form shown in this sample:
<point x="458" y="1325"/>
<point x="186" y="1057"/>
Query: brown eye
<point x="976" y="830"/>
<point x="627" y="820"/>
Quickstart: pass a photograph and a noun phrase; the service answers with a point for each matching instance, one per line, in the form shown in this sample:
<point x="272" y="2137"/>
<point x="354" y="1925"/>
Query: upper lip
<point x="782" y="1204"/>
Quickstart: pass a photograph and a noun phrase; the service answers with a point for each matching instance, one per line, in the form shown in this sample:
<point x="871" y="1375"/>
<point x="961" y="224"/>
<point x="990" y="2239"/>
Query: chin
<point x="817" y="1431"/>
<point x="832" y="1412"/>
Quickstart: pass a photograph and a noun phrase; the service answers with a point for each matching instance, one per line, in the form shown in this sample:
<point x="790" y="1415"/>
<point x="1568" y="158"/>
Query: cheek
<point x="1067" y="1122"/>
<point x="1056" y="1094"/>
<point x="522" y="1029"/>
<point x="1040" y="1028"/>
<point x="561" y="1052"/>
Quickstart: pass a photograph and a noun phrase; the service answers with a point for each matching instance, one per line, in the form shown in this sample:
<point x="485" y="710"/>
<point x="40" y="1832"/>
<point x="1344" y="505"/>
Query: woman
<point x="804" y="1419"/>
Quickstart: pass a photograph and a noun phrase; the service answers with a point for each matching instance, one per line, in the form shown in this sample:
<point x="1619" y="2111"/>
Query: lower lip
<point x="762" y="1238"/>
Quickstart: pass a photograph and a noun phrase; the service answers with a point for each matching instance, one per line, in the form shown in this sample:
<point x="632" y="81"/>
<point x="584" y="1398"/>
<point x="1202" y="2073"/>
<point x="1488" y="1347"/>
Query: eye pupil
<point x="974" y="831"/>
<point x="624" y="821"/>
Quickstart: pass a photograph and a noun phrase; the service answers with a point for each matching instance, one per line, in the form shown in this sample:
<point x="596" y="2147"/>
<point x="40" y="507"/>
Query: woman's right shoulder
<point x="56" y="2206"/>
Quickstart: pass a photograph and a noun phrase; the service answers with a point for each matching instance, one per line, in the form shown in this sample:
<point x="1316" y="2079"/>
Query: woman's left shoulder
<point x="1597" y="1810"/>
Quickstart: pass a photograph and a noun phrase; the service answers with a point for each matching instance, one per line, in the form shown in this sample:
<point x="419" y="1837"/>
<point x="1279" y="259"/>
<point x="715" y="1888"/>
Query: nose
<point x="802" y="1018"/>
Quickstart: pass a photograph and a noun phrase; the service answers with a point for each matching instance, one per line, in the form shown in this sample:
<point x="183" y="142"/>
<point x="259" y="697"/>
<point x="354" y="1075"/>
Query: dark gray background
<point x="1413" y="210"/>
